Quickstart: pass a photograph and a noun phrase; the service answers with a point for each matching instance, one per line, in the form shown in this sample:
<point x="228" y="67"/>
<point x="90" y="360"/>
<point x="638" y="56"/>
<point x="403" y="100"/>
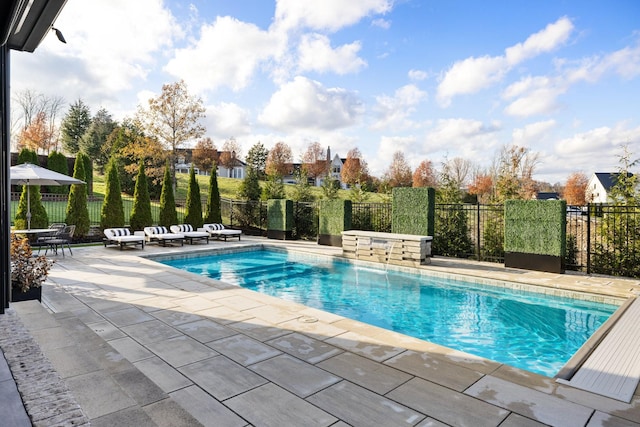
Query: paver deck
<point x="228" y="356"/>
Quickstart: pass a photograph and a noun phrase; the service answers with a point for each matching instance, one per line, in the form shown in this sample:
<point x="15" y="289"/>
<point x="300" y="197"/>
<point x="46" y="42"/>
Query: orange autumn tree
<point x="482" y="186"/>
<point x="205" y="154"/>
<point x="37" y="136"/>
<point x="424" y="175"/>
<point x="355" y="168"/>
<point x="575" y="189"/>
<point x="279" y="160"/>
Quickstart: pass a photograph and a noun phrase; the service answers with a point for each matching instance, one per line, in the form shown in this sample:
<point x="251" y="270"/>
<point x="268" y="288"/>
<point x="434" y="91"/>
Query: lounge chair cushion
<point x="162" y="235"/>
<point x="122" y="237"/>
<point x="219" y="231"/>
<point x="189" y="233"/>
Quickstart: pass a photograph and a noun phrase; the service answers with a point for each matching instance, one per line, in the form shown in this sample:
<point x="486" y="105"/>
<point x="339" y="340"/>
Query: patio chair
<point x="42" y="240"/>
<point x="121" y="237"/>
<point x="220" y="232"/>
<point x="162" y="236"/>
<point x="189" y="233"/>
<point x="61" y="239"/>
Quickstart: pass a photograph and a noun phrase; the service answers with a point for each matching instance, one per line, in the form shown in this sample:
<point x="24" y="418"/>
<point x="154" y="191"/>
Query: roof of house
<point x="548" y="195"/>
<point x="609" y="179"/>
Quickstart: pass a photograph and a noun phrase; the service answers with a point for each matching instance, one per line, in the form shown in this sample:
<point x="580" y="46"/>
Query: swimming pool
<point x="528" y="330"/>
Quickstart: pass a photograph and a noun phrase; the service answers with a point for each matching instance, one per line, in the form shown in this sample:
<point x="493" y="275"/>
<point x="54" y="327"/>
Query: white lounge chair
<point x="122" y="237"/>
<point x="220" y="232"/>
<point x="162" y="236"/>
<point x="189" y="233"/>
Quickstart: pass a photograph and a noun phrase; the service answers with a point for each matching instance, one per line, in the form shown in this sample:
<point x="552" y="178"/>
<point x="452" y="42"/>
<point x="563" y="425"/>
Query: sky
<point x="435" y="79"/>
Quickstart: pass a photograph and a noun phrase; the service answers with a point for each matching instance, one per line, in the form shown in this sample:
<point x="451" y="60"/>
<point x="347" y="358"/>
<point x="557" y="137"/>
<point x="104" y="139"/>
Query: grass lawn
<point x="228" y="187"/>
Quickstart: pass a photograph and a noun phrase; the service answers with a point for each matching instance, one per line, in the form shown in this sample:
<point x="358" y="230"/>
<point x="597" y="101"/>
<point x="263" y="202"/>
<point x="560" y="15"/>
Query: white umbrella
<point x="29" y="174"/>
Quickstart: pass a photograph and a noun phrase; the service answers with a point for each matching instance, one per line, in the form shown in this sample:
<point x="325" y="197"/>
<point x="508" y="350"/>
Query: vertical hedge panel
<point x="413" y="211"/>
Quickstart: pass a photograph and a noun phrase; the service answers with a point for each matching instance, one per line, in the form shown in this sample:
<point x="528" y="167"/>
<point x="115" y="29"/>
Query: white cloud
<point x="533" y="96"/>
<point x="227" y="54"/>
<point x="546" y="40"/>
<point x="417" y="75"/>
<point x="316" y="54"/>
<point x="393" y="111"/>
<point x="387" y="147"/>
<point x="109" y="50"/>
<point x="381" y="23"/>
<point x="225" y="120"/>
<point x="475" y="73"/>
<point x="330" y="15"/>
<point x="533" y="133"/>
<point x="598" y="140"/>
<point x="307" y="104"/>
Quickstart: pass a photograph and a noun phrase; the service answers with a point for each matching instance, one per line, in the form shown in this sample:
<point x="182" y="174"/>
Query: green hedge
<point x="280" y="215"/>
<point x="413" y="211"/>
<point x="335" y="216"/>
<point x="535" y="227"/>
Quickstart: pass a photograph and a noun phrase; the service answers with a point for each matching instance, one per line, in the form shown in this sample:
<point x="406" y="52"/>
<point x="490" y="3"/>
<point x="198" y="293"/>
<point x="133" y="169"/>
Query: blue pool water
<point x="528" y="330"/>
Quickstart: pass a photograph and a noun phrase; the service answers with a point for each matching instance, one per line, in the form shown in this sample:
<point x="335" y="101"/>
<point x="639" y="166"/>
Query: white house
<point x="599" y="187"/>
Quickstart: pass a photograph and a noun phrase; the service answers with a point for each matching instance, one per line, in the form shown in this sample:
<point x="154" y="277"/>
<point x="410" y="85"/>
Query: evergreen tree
<point x="58" y="162"/>
<point x="452" y="233"/>
<point x="273" y="188"/>
<point x="74" y="125"/>
<point x="39" y="218"/>
<point x="193" y="211"/>
<point x="88" y="173"/>
<point x="213" y="211"/>
<point x="96" y="135"/>
<point x="112" y="214"/>
<point x="28" y="156"/>
<point x="250" y="186"/>
<point x="168" y="214"/>
<point x="34" y="205"/>
<point x="257" y="159"/>
<point x="141" y="212"/>
<point x="77" y="211"/>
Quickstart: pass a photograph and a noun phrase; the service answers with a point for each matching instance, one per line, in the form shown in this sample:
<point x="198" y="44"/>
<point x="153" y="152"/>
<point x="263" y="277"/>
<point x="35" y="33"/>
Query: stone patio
<point x="138" y="343"/>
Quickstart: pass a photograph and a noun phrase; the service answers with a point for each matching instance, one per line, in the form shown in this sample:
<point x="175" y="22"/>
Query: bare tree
<point x="315" y="162"/>
<point x="230" y="153"/>
<point x="460" y="170"/>
<point x="173" y="118"/>
<point x="399" y="173"/>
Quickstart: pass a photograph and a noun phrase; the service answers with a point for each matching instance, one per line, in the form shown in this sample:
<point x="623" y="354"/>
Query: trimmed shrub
<point x="193" y="210"/>
<point x="535" y="227"/>
<point x="213" y="212"/>
<point x="77" y="210"/>
<point x="413" y="211"/>
<point x="141" y="211"/>
<point x="112" y="214"/>
<point x="168" y="214"/>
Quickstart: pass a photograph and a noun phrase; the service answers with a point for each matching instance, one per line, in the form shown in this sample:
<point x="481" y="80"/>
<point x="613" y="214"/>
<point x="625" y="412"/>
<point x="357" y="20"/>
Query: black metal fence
<point x="601" y="238"/>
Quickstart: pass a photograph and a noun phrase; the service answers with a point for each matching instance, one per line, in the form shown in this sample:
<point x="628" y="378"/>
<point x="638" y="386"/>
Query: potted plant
<point x="27" y="271"/>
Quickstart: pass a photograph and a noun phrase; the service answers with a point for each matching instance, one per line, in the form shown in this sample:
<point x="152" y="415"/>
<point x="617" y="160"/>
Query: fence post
<point x="589" y="238"/>
<point x="478" y="231"/>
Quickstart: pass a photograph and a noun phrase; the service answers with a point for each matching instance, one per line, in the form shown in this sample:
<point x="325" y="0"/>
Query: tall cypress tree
<point x="193" y="212"/>
<point x="112" y="214"/>
<point x="77" y="210"/>
<point x="141" y="212"/>
<point x="213" y="211"/>
<point x="168" y="214"/>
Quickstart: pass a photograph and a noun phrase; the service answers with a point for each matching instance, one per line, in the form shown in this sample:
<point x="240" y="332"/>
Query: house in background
<point x="600" y="185"/>
<point x="236" y="170"/>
